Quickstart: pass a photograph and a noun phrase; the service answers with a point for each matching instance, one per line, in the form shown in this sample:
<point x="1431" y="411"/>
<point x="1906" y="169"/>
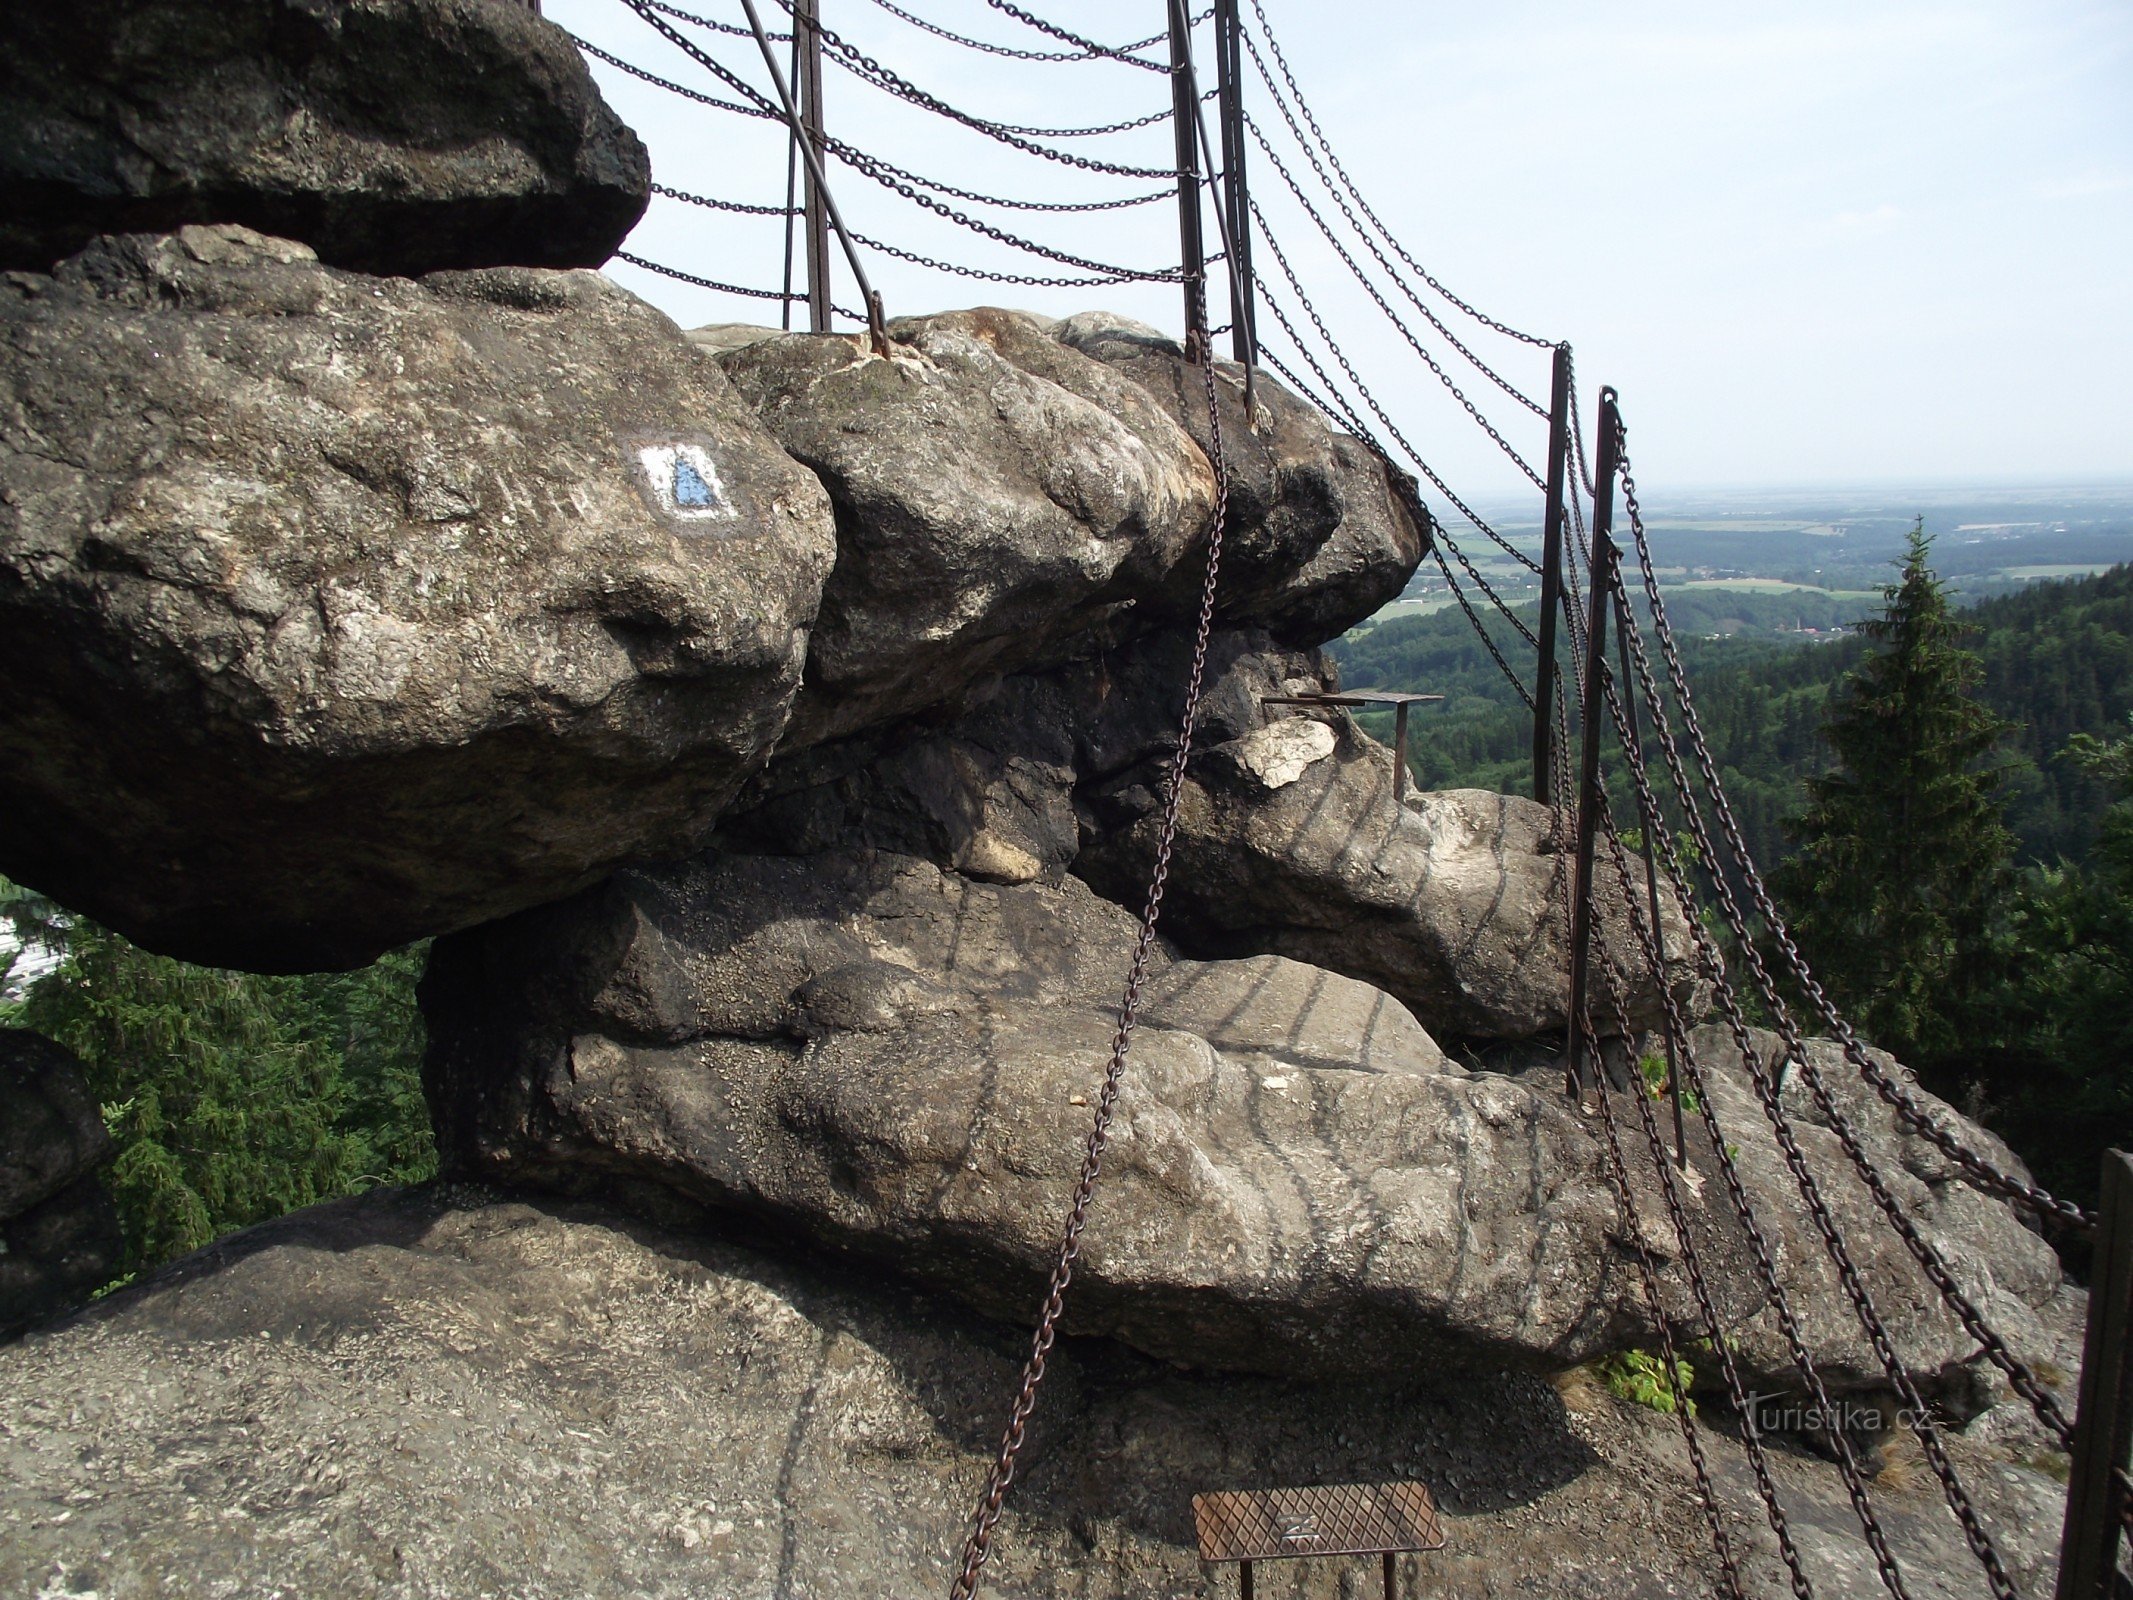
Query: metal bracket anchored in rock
<point x="1368" y="698"/>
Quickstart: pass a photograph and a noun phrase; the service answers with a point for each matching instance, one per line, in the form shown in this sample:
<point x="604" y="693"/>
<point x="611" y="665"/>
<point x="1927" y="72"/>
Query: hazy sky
<point x="1809" y="242"/>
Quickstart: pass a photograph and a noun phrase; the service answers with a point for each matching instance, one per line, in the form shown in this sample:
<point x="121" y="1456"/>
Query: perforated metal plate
<point x="1349" y="1519"/>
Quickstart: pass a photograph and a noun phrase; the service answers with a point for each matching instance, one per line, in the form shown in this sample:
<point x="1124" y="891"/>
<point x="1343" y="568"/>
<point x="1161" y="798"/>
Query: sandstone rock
<point x="434" y="1394"/>
<point x="336" y="611"/>
<point x="59" y="1233"/>
<point x="997" y="494"/>
<point x="395" y="136"/>
<point x="1290" y="841"/>
<point x="889" y="1058"/>
<point x="1323" y="532"/>
<point x="2011" y="1273"/>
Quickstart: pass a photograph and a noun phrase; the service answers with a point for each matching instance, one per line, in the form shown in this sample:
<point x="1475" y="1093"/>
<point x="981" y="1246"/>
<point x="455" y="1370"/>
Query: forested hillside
<point x="2058" y="661"/>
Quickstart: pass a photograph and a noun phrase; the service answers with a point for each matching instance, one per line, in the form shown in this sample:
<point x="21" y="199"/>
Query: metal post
<point x="1604" y="562"/>
<point x="818" y="184"/>
<point x="807" y="46"/>
<point x="1229" y="85"/>
<point x="1651" y="871"/>
<point x="2095" y="1494"/>
<point x="1551" y="577"/>
<point x="1192" y="252"/>
<point x="1392" y="1576"/>
<point x="1399" y="751"/>
<point x="792" y="184"/>
<point x="1244" y="1582"/>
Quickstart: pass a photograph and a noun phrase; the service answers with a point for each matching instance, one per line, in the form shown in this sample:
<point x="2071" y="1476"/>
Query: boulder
<point x="336" y="611"/>
<point x="997" y="495"/>
<point x="442" y="1392"/>
<point x="392" y="136"/>
<point x="59" y="1232"/>
<point x="2009" y="1272"/>
<point x="888" y="1057"/>
<point x="1323" y="530"/>
<point x="1290" y="841"/>
<point x="893" y="1059"/>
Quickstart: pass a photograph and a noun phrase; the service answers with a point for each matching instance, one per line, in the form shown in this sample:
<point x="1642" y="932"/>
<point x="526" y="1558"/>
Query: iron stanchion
<point x="1185" y="112"/>
<point x="2096" y="1488"/>
<point x="1605" y="560"/>
<point x="1551" y="577"/>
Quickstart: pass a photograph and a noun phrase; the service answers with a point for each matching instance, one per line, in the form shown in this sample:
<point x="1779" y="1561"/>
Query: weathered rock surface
<point x="59" y="1233"/>
<point x="421" y="1396"/>
<point x="997" y="494"/>
<point x="886" y="1055"/>
<point x="875" y="1052"/>
<point x="395" y="136"/>
<point x="2009" y="1272"/>
<point x="1323" y="531"/>
<point x="336" y="611"/>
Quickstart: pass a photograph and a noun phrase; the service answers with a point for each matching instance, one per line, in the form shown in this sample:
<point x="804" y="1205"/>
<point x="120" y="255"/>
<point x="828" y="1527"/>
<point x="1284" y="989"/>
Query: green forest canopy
<point x="2058" y="661"/>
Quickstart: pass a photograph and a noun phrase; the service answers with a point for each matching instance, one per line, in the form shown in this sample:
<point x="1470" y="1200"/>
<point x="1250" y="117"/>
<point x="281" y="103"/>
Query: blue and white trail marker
<point x="683" y="481"/>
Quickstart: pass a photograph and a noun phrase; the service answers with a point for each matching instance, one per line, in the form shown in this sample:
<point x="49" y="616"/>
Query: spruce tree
<point x="1903" y="852"/>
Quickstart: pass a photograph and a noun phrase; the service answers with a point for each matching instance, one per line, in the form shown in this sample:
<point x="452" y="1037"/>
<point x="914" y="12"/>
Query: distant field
<point x="2068" y="569"/>
<point x="1776" y="586"/>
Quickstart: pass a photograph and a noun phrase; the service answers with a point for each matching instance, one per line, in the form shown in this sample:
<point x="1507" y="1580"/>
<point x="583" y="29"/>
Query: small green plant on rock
<point x="1658" y="1082"/>
<point x="1641" y="1378"/>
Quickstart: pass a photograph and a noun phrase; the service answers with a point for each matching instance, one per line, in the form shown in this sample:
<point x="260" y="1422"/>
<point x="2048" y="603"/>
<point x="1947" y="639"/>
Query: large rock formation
<point x="396" y="136"/>
<point x="336" y="610"/>
<point x="433" y="1395"/>
<point x="59" y="1232"/>
<point x="1325" y="531"/>
<point x="997" y="495"/>
<point x="877" y="1014"/>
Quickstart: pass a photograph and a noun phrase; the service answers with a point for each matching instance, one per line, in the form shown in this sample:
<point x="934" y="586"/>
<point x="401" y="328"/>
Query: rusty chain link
<point x="1369" y="242"/>
<point x="1339" y="410"/>
<point x="1002" y="1476"/>
<point x="1653" y="822"/>
<point x="1012" y="53"/>
<point x="903" y="88"/>
<point x="1990" y="1177"/>
<point x="1087" y="47"/>
<point x="1928" y="1259"/>
<point x="1310" y="309"/>
<point x="1288" y="77"/>
<point x="1355" y="270"/>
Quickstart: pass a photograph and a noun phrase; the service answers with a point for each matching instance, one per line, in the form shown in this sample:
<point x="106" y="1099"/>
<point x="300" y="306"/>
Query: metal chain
<point x="1109" y="280"/>
<point x="667" y="84"/>
<point x="867" y="76"/>
<point x="1914" y="1115"/>
<point x="1274" y="45"/>
<point x="1685" y="1055"/>
<point x="1362" y="233"/>
<point x="850" y="157"/>
<point x="859" y="161"/>
<point x="894" y="83"/>
<point x="854" y="158"/>
<point x="727" y="288"/>
<point x="1339" y="411"/>
<point x="1691" y="1258"/>
<point x="1354" y="267"/>
<point x="1995" y="1348"/>
<point x="1333" y="347"/>
<point x="1818" y="1211"/>
<point x="1002" y="1476"/>
<point x="1088" y="47"/>
<point x="720" y="205"/>
<point x="989" y="48"/>
<point x="732" y="28"/>
<point x="1648" y="1274"/>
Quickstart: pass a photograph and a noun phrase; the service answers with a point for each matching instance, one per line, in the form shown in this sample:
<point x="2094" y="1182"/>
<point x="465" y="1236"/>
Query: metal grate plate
<point x="1349" y="1519"/>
